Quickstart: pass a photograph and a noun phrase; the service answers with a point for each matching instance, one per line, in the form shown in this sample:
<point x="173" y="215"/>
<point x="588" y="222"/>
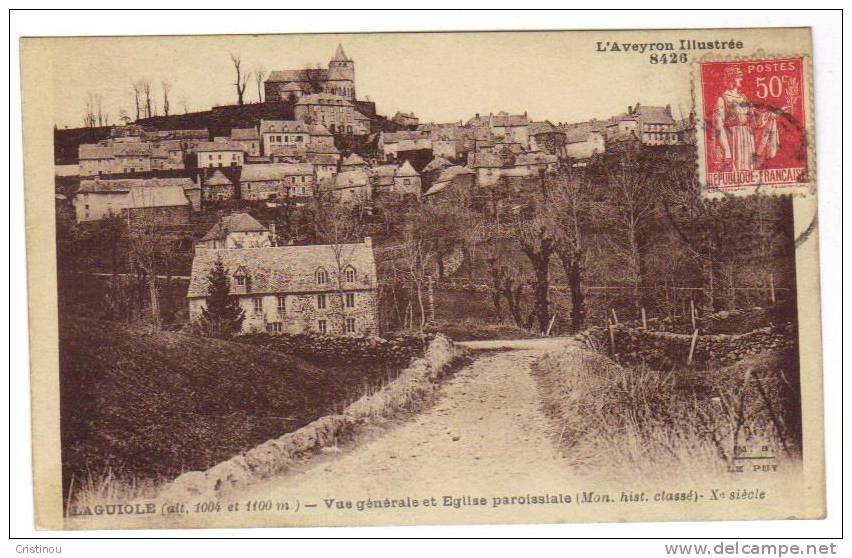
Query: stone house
<point x="248" y="139"/>
<point x="171" y="199"/>
<point x="214" y="154"/>
<point x="584" y="139"/>
<point x="653" y="125"/>
<point x="295" y="289"/>
<point x="335" y="113"/>
<point x="218" y="187"/>
<point x="337" y="79"/>
<point x="325" y="164"/>
<point x="391" y="144"/>
<point x="239" y="230"/>
<point x="546" y="137"/>
<point x="349" y="186"/>
<point x="536" y="162"/>
<point x="277" y="180"/>
<point x="95" y="159"/>
<point x="294" y="134"/>
<point x="454" y="182"/>
<point x="487" y="166"/>
<point x="402" y="180"/>
<point x="405" y="119"/>
<point x="131" y="157"/>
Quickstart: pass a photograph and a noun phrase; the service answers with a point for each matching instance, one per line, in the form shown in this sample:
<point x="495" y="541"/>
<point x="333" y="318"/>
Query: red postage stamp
<point x="754" y="136"/>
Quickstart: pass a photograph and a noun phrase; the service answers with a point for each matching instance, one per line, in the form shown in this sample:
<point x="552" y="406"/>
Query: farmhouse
<point x="294" y="289"/>
<point x="239" y="230"/>
<point x="218" y="187"/>
<point x="213" y="154"/>
<point x="277" y="180"/>
<point x="170" y="200"/>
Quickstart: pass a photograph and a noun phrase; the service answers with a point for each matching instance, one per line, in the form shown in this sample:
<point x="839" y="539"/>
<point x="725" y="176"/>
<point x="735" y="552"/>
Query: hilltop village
<point x="224" y="189"/>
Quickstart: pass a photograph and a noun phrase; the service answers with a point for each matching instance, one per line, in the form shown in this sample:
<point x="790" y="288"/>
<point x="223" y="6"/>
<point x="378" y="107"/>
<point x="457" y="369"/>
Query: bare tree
<point x="184" y="103"/>
<point x="338" y="226"/>
<point x="146" y="91"/>
<point x="418" y="254"/>
<point x="629" y="210"/>
<point x="314" y="78"/>
<point x="537" y="243"/>
<point x="241" y="80"/>
<point x="167" y="87"/>
<point x="151" y="248"/>
<point x="89" y="117"/>
<point x="568" y="212"/>
<point x="259" y="74"/>
<point x="137" y="95"/>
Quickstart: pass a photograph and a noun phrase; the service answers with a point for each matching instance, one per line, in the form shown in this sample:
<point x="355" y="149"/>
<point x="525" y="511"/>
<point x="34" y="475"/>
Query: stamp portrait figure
<point x="745" y="134"/>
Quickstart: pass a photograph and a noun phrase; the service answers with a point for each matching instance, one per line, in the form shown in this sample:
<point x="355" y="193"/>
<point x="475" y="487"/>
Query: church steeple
<point x="340" y="55"/>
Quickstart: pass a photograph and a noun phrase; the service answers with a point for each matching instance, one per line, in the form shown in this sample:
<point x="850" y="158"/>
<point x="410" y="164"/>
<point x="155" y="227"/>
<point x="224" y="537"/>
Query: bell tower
<point x="341" y="67"/>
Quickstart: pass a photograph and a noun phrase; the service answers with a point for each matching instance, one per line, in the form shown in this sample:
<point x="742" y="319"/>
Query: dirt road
<point x="485" y="433"/>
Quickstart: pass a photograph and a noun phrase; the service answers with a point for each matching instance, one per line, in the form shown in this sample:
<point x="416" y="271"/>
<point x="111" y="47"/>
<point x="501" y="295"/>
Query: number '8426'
<point x="668" y="58"/>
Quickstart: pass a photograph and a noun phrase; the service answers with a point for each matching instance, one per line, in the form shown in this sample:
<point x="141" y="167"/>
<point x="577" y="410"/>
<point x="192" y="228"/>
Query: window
<point x="258" y="304"/>
<point x="321" y="326"/>
<point x="241" y="280"/>
<point x="350" y="300"/>
<point x="274" y="327"/>
<point x="350" y="274"/>
<point x="322" y="277"/>
<point x="321" y="301"/>
<point x="350" y="325"/>
<point x="282" y="304"/>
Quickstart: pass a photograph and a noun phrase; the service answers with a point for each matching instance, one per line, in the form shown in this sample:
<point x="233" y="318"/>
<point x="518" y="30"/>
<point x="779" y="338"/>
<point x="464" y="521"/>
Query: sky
<point x="441" y="77"/>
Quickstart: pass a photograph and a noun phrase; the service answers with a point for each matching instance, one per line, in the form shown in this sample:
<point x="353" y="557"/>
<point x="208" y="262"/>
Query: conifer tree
<point x="222" y="316"/>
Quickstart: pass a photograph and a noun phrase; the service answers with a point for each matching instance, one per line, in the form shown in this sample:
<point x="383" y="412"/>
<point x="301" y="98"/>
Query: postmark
<point x="754" y="133"/>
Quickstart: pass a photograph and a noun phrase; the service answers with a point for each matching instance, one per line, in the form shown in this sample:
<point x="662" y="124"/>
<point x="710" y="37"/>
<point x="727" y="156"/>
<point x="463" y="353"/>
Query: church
<point x="337" y="79"/>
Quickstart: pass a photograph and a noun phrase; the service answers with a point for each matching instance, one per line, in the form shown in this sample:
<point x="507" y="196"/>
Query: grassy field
<point x="139" y="407"/>
<point x="634" y="424"/>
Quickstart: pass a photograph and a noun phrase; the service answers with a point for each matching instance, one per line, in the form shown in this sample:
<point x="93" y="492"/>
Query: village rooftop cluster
<point x="334" y="146"/>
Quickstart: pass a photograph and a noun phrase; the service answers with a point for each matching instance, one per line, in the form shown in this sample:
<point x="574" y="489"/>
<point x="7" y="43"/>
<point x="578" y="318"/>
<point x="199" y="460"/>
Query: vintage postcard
<point x="436" y="278"/>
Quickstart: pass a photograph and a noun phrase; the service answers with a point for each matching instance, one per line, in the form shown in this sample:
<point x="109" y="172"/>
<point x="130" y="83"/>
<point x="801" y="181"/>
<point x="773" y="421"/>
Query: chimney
<point x="477" y="115"/>
<point x="669" y="110"/>
<point x="629" y="109"/>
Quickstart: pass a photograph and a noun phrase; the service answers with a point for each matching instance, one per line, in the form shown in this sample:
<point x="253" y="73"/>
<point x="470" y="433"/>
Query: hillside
<point x="149" y="405"/>
<point x="218" y="121"/>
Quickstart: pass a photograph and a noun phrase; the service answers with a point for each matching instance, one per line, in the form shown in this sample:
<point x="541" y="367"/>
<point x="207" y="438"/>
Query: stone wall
<point x="664" y="350"/>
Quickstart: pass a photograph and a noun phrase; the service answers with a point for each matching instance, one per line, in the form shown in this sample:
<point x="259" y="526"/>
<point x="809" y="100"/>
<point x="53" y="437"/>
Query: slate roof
<point x="350" y="179"/>
<point x="340" y="55"/>
<point x="274" y="171"/>
<point x="453" y="172"/>
<point x="406" y="170"/>
<point x="535" y="158"/>
<point x="163" y="196"/>
<point x="244" y="134"/>
<point x="218" y="179"/>
<point x="486" y="160"/>
<point x="277" y="76"/>
<point x="219" y="146"/>
<point x="238" y="222"/>
<point x="505" y="120"/>
<point x="404" y="135"/>
<point x="284" y="269"/>
<point x="543" y="127"/>
<point x="437" y="163"/>
<point x="324" y="99"/>
<point x="292" y="127"/>
<point x="132" y="149"/>
<point x="126" y="184"/>
<point x="653" y="115"/>
<point x="353" y="160"/>
<point x="94" y="151"/>
<point x="580" y="132"/>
